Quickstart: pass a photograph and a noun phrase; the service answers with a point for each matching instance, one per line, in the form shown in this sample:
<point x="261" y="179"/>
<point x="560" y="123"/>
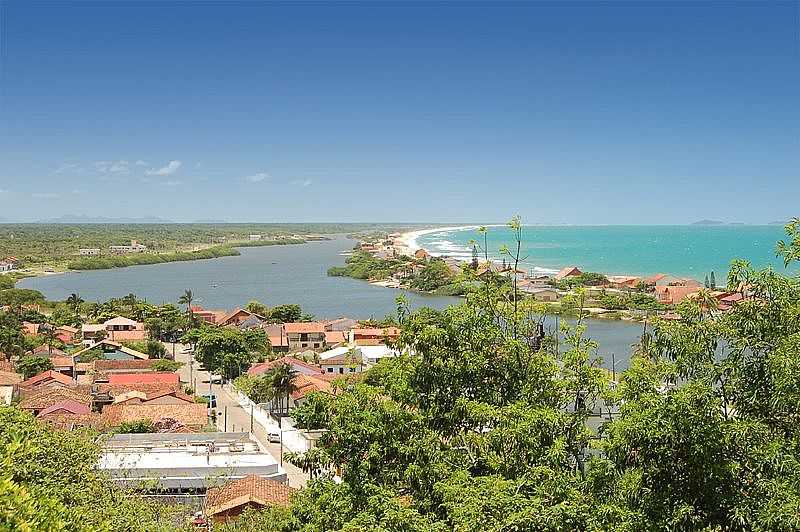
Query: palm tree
<point x="186" y="299"/>
<point x="48" y="333"/>
<point x="75" y="301"/>
<point x="282" y="378"/>
<point x="707" y="301"/>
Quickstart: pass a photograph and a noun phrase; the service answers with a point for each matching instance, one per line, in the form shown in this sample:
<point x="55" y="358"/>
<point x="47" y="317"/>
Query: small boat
<point x="214" y="285"/>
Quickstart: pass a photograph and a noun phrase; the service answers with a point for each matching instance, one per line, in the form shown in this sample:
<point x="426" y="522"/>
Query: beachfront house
<point x="305" y="335"/>
<point x="623" y="282"/>
<point x="672" y="295"/>
<point x="569" y="271"/>
<point x="374" y="335"/>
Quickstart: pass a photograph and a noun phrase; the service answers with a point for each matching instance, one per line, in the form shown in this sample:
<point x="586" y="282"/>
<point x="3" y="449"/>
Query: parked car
<point x="274" y="436"/>
<point x="215" y="379"/>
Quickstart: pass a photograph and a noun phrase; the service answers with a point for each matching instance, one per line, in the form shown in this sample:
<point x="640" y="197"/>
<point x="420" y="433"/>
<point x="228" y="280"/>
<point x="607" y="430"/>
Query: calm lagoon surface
<point x="276" y="275"/>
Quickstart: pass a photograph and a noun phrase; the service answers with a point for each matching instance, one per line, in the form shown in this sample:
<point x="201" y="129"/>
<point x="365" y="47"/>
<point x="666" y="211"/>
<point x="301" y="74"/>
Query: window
<point x="352" y="370"/>
<point x="330" y="370"/>
<point x="303" y="345"/>
<point x="316" y="345"/>
<point x="341" y="370"/>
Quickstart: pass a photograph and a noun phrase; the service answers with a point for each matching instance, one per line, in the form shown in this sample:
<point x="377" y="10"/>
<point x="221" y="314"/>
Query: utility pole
<point x="225" y="415"/>
<point x="251" y="417"/>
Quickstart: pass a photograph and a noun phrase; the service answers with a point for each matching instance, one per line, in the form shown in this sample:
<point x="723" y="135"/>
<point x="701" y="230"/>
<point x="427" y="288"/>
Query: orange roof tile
<point x="248" y="490"/>
<point x="47" y="376"/>
<point x="9" y="378"/>
<point x="304" y="327"/>
<point x="193" y="415"/>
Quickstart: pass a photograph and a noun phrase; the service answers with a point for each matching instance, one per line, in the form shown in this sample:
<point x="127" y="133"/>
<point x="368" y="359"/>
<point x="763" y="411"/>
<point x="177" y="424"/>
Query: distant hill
<point x="708" y="222"/>
<point x="81" y="219"/>
<point x="210" y="221"/>
<point x="779" y="222"/>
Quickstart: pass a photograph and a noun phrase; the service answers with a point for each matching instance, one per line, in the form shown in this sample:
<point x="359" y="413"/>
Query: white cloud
<point x="172" y="183"/>
<point x="301" y="182"/>
<point x="257" y="178"/>
<point x="169" y="169"/>
<point x="112" y="167"/>
<point x="68" y="167"/>
<point x="140" y="163"/>
<point x="44" y="195"/>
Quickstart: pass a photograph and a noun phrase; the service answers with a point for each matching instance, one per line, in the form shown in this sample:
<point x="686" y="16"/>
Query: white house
<point x="89" y="251"/>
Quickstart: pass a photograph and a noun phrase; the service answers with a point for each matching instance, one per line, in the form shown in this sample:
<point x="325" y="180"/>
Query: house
<point x="350" y="361"/>
<point x="135" y="247"/>
<point x="193" y="416"/>
<point x="161" y="397"/>
<point x="185" y="463"/>
<point x="569" y="271"/>
<point x="237" y="316"/>
<point x="542" y="293"/>
<point x="253" y="491"/>
<point x="47" y="379"/>
<point x="9" y="263"/>
<point x="120" y="329"/>
<point x="67" y="334"/>
<point x="672" y="295"/>
<point x="35" y="401"/>
<point x="208" y="316"/>
<point x="305" y="335"/>
<point x="295" y="363"/>
<point x="340" y="324"/>
<point x="728" y="299"/>
<point x="304" y="385"/>
<point x="663" y="279"/>
<point x="89" y="251"/>
<point x="155" y="377"/>
<point x="113" y="351"/>
<point x="105" y="367"/>
<point x="67" y="406"/>
<point x="9" y="383"/>
<point x="374" y="335"/>
<point x="623" y="282"/>
<point x="336" y="338"/>
<point x="254" y="238"/>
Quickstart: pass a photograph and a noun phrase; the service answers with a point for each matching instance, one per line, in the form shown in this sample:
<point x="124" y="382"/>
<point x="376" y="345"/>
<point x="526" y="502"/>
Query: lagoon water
<point x="275" y="275"/>
<point x="684" y="250"/>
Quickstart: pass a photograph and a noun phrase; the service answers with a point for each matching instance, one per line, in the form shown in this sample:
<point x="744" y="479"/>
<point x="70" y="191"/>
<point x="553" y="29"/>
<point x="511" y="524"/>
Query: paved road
<point x="238" y="419"/>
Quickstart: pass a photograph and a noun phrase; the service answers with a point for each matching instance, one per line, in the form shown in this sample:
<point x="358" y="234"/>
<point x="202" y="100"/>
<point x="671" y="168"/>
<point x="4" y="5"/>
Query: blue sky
<point x="443" y="112"/>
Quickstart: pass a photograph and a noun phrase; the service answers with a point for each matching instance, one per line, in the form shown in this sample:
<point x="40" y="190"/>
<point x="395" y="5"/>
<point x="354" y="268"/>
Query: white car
<point x="215" y="379"/>
<point x="274" y="436"/>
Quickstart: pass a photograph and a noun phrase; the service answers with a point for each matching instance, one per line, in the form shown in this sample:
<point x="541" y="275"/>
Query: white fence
<point x="294" y="439"/>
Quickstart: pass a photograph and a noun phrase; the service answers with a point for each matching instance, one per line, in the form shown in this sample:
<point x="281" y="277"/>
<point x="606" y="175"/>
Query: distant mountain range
<point x="81" y="219"/>
<point x="708" y="222"/>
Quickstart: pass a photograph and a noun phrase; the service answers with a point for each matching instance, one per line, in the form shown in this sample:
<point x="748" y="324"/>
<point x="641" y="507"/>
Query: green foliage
<point x="284" y="314"/>
<point x="363" y="265"/>
<point x="7" y="281"/>
<point x="166" y="365"/>
<point x="137" y="259"/>
<point x="315" y="412"/>
<point x="30" y="366"/>
<point x="224" y="351"/>
<point x="92" y="354"/>
<point x="20" y="296"/>
<point x="584" y="279"/>
<point x="155" y="349"/>
<point x="435" y="275"/>
<point x="629" y="301"/>
<point x="49" y="481"/>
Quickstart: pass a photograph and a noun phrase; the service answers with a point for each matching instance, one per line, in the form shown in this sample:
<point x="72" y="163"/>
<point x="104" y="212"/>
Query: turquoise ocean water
<point x="686" y="250"/>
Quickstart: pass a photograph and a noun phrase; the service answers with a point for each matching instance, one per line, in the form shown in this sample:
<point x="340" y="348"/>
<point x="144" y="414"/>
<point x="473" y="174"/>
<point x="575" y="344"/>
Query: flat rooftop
<point x="185" y="461"/>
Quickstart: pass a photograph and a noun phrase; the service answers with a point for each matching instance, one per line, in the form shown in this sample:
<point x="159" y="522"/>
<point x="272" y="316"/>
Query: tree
<point x="166" y="365"/>
<point x="224" y="351"/>
<point x="186" y="299"/>
<point x="74" y="302"/>
<point x="12" y="339"/>
<point x="49" y="336"/>
<point x="713" y="281"/>
<point x="155" y="349"/>
<point x="257" y="307"/>
<point x="32" y="365"/>
<point x="282" y="379"/>
<point x="285" y="314"/>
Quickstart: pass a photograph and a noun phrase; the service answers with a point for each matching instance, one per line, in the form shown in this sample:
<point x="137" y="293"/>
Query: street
<point x="231" y="417"/>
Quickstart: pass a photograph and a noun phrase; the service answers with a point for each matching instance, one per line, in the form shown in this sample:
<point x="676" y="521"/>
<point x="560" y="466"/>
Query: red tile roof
<point x="251" y="489"/>
<point x="304" y="327"/>
<point x="47" y="376"/>
<point x="305" y="384"/>
<point x="143" y="378"/>
<point x="189" y="415"/>
<point x="569" y="271"/>
<point x="376" y="332"/>
<point x="66" y="406"/>
<point x="39" y="399"/>
<point x="111" y="365"/>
